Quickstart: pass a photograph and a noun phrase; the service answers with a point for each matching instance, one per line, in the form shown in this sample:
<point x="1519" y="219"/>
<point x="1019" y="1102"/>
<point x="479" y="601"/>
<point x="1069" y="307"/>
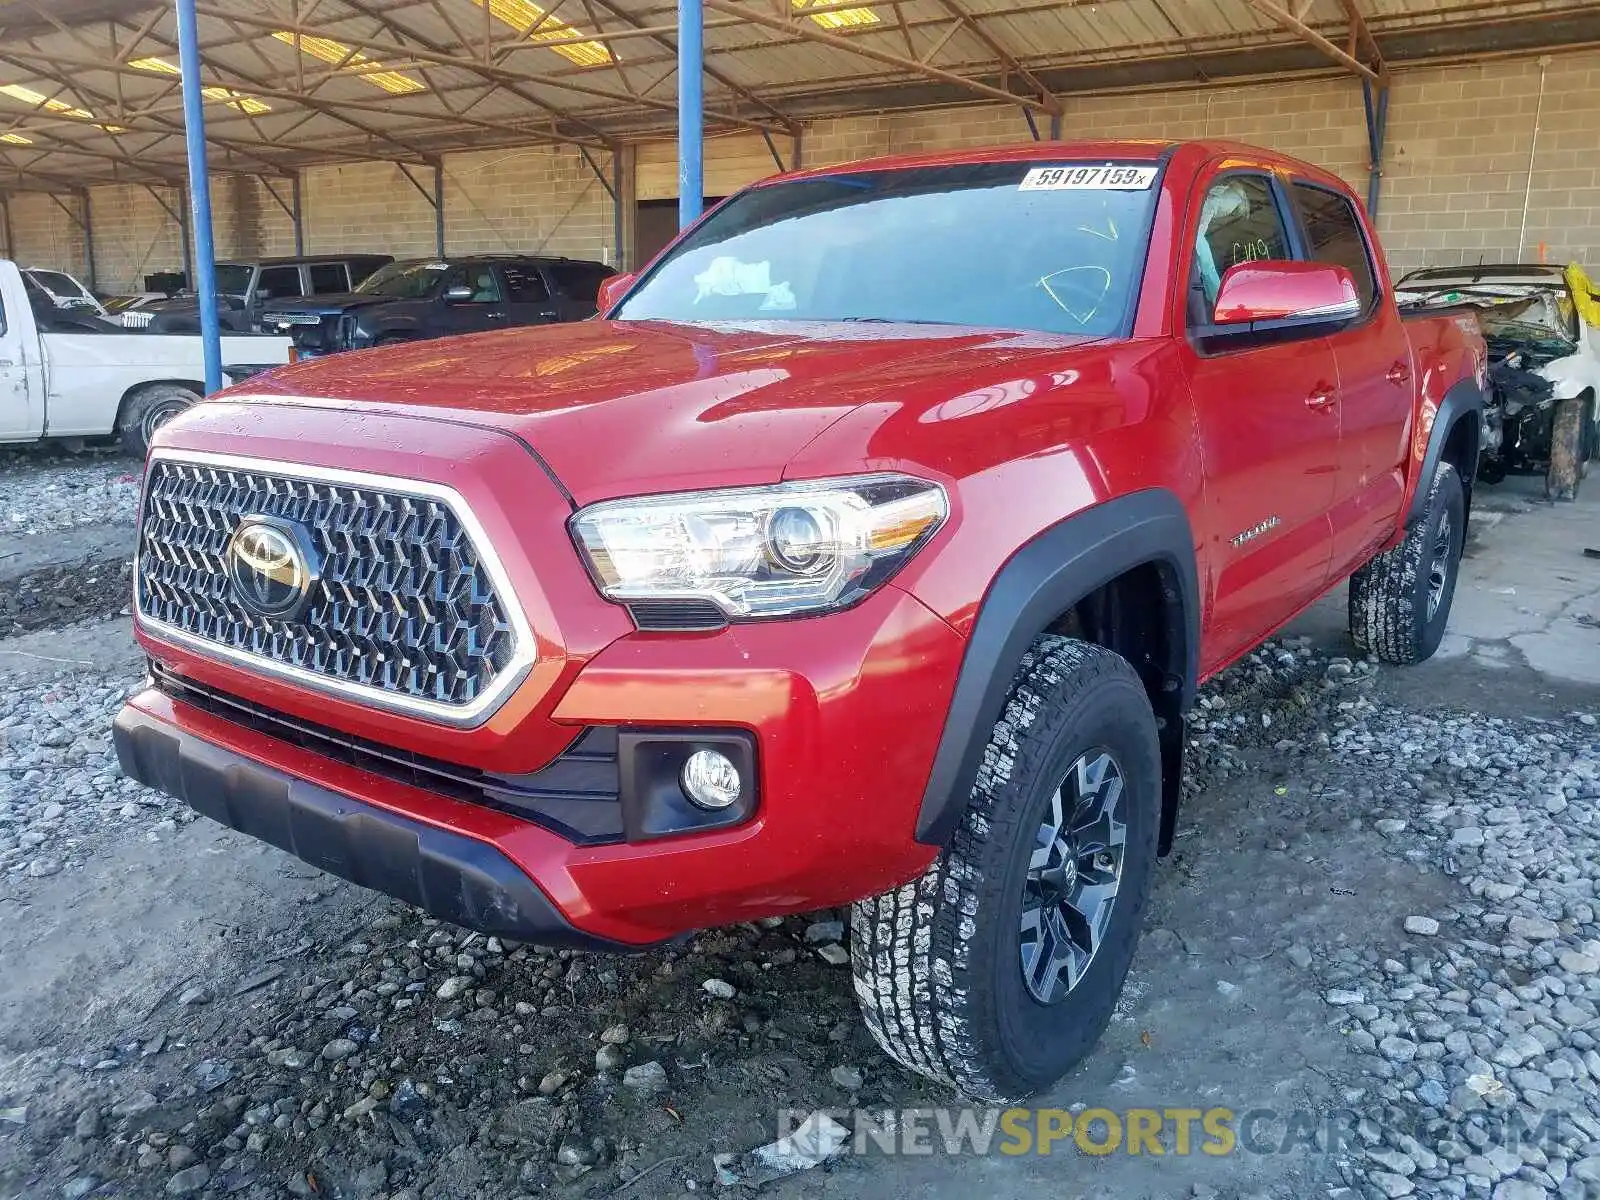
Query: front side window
<point x="1057" y="248"/>
<point x="1239" y="223"/>
<point x="1333" y="235"/>
<point x="279" y="282"/>
<point x="480" y="278"/>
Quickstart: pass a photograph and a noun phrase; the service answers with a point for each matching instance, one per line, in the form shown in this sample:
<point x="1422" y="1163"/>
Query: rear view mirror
<point x="459" y="294"/>
<point x="612" y="289"/>
<point x="1276" y="290"/>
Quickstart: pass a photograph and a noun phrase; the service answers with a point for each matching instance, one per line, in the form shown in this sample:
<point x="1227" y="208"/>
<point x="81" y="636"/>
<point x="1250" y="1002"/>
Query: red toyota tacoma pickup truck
<point x="869" y="550"/>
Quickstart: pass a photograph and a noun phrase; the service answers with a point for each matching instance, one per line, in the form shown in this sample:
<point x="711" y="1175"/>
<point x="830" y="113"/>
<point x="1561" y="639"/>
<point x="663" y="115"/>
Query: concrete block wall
<point x="539" y="199"/>
<point x="133" y="235"/>
<point x="44" y="235"/>
<point x="1456" y="176"/>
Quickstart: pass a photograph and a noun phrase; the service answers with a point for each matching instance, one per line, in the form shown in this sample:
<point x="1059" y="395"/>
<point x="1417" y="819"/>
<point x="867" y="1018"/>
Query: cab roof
<point x="1116" y="149"/>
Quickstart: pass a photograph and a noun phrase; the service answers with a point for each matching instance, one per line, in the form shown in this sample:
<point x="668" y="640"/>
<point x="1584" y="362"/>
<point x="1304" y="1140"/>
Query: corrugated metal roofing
<point x="88" y="93"/>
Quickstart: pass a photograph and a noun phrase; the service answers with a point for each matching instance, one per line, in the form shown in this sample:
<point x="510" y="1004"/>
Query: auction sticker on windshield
<point x="1106" y="177"/>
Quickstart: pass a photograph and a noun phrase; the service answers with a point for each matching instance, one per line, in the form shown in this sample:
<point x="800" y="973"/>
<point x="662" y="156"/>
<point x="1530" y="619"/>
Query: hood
<point x="629" y="407"/>
<point x="324" y="306"/>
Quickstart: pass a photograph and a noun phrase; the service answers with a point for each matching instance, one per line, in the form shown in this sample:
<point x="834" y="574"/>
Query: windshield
<point x="405" y="281"/>
<point x="1057" y="248"/>
<point x="233" y="279"/>
<point x="58" y="284"/>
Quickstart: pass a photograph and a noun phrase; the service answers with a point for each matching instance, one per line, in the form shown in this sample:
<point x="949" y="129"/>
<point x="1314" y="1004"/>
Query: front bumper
<point x="846" y="713"/>
<point x="445" y="874"/>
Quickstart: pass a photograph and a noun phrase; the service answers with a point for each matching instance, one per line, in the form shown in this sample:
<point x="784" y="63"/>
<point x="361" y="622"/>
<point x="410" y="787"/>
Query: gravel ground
<point x="43" y="490"/>
<point x="52" y="596"/>
<point x="396" y="1056"/>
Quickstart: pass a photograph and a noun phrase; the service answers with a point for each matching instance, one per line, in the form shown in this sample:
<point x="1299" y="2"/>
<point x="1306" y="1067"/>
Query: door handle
<point x="495" y="316"/>
<point x="6" y="362"/>
<point x="1321" y="398"/>
<point x="1398" y="374"/>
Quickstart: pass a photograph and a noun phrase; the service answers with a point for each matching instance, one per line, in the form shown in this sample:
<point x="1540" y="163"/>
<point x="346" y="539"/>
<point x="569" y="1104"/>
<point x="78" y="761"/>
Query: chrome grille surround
<point x="414" y="612"/>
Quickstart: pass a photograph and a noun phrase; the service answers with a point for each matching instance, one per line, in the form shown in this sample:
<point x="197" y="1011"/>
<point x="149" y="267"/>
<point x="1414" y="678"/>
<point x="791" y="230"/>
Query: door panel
<point x="1375" y="399"/>
<point x="1271" y="459"/>
<point x="528" y="300"/>
<point x="21" y="382"/>
<point x="486" y="309"/>
<point x="1376" y="387"/>
<point x="1268" y="412"/>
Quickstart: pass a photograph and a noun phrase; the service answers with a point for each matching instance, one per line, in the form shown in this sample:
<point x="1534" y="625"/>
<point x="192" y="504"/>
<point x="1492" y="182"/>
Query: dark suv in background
<point x="243" y="287"/>
<point x="429" y="298"/>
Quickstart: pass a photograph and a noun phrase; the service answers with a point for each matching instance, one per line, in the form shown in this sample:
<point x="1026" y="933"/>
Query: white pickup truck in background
<point x="71" y="374"/>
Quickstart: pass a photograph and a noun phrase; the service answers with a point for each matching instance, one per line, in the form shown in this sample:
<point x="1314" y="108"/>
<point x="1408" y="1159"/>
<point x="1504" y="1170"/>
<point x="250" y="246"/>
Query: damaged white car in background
<point x="1542" y="326"/>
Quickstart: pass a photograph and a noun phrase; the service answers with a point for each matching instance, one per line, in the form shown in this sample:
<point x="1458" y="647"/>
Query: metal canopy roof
<point x="89" y="90"/>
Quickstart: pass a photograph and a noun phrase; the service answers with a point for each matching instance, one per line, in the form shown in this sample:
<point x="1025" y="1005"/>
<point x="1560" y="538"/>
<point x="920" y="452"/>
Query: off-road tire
<point x="937" y="963"/>
<point x="146" y="410"/>
<point x="1389" y="597"/>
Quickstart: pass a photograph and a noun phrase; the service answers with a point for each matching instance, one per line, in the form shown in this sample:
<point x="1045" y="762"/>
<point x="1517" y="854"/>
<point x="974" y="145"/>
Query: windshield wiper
<point x="893" y="321"/>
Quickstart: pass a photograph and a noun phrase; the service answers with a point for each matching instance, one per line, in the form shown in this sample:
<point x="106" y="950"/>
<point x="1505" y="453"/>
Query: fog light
<point x="710" y="779"/>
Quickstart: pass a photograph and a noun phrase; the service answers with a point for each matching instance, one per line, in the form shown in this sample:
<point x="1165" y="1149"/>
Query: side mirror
<point x="263" y="293"/>
<point x="612" y="289"/>
<point x="459" y="294"/>
<point x="1276" y="290"/>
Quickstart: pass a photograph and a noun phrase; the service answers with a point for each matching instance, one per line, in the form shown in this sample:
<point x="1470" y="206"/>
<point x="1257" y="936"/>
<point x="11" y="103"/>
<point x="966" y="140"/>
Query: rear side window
<point x="578" y="281"/>
<point x="525" y="283"/>
<point x="1334" y="236"/>
<point x="279" y="282"/>
<point x="1239" y="223"/>
<point x="328" y="278"/>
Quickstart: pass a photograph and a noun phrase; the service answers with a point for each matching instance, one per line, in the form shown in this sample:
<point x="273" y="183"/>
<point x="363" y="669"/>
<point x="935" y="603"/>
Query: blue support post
<point x="691" y="111"/>
<point x="1376" y="102"/>
<point x="194" y="134"/>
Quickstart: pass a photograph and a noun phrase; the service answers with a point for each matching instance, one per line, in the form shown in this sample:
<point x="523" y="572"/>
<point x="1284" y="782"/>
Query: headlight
<point x="761" y="552"/>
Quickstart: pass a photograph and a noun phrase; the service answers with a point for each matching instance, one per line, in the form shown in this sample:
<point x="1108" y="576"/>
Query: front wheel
<point x="998" y="969"/>
<point x="1400" y="601"/>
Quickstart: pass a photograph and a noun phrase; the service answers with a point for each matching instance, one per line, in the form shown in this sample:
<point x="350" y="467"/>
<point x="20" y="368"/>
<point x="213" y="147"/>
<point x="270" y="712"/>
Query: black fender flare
<point x="1464" y="399"/>
<point x="1040" y="582"/>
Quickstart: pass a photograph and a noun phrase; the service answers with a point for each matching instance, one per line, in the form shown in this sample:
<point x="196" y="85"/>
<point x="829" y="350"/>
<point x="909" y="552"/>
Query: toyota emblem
<point x="273" y="567"/>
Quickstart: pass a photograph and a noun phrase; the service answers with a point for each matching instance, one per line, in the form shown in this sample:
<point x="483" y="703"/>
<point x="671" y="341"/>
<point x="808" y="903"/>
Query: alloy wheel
<point x="1073" y="876"/>
<point x="1439" y="568"/>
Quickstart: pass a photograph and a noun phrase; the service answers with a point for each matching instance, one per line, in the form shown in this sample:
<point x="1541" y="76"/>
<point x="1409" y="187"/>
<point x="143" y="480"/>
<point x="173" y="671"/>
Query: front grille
<point x="404" y="612"/>
<point x="576" y="795"/>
